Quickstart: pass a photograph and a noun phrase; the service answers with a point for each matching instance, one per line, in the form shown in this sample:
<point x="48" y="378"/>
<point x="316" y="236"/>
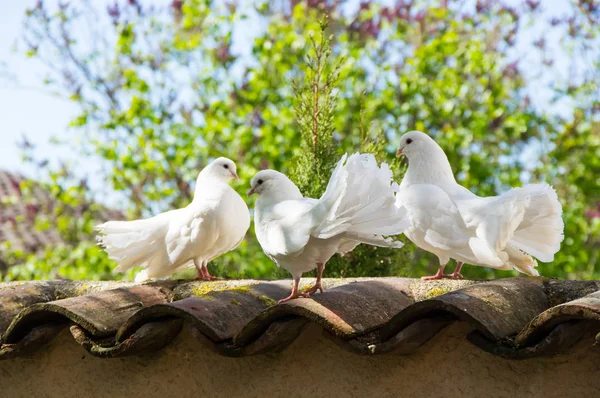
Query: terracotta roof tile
<point x="17" y="217"/>
<point x="513" y="318"/>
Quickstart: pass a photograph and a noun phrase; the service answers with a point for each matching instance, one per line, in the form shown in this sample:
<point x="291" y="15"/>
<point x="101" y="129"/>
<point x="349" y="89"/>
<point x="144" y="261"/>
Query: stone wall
<point x="313" y="365"/>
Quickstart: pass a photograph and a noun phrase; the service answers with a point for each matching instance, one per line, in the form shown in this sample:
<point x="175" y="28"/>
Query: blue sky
<point x="22" y="94"/>
<point x="25" y="107"/>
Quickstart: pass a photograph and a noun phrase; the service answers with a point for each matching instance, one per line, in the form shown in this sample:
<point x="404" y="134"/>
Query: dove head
<point x="273" y="187"/>
<point x="416" y="144"/>
<point x="221" y="169"/>
<point x="427" y="162"/>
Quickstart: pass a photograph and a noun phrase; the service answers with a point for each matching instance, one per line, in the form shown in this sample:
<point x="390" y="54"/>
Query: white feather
<point x="501" y="232"/>
<point x="358" y="206"/>
<point x="214" y="223"/>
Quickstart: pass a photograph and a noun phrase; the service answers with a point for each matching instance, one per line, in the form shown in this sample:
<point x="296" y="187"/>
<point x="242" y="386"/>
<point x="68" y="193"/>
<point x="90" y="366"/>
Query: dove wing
<point x="287" y="226"/>
<point x="190" y="235"/>
<point x="454" y="226"/>
<point x="432" y="211"/>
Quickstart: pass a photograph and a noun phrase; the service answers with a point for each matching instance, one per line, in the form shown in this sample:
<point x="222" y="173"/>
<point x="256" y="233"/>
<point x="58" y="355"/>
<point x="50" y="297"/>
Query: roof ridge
<point x="513" y="317"/>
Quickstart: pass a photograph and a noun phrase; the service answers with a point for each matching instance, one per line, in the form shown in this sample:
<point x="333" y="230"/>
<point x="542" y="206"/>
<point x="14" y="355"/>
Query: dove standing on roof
<point x="501" y="232"/>
<point x="214" y="223"/>
<point x="301" y="234"/>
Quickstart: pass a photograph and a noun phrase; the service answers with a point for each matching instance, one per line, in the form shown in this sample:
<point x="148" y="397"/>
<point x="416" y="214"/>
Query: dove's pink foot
<point x="456" y="274"/>
<point x="200" y="267"/>
<point x="440" y="273"/>
<point x="290" y="297"/>
<point x="313" y="290"/>
<point x="443" y="276"/>
<point x="209" y="276"/>
<point x="294" y="294"/>
<point x="201" y="275"/>
<point x="317" y="285"/>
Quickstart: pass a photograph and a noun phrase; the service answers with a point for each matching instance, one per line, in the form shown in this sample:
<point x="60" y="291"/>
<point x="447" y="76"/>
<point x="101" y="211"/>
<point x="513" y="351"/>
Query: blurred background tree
<point x="163" y="89"/>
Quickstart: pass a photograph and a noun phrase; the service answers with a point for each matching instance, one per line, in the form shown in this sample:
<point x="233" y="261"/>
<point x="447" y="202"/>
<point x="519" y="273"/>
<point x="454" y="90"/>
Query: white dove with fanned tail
<point x="301" y="234"/>
<point x="501" y="232"/>
<point x="214" y="223"/>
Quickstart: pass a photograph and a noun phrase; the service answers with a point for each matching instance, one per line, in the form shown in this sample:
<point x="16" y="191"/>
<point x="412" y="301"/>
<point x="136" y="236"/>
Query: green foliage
<point x="70" y="212"/>
<point x="315" y="106"/>
<point x="85" y="261"/>
<point x="162" y="92"/>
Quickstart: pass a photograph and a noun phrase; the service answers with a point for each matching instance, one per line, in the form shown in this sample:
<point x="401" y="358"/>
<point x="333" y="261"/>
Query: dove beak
<point x="251" y="192"/>
<point x="234" y="175"/>
<point x="399" y="151"/>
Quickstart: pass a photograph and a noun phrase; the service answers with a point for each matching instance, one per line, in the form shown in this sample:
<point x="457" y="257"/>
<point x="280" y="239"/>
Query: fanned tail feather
<point x="360" y="203"/>
<point x="373" y="240"/>
<point x="130" y="243"/>
<point x="141" y="276"/>
<point x="542" y="229"/>
<point x="514" y="227"/>
<point x="522" y="262"/>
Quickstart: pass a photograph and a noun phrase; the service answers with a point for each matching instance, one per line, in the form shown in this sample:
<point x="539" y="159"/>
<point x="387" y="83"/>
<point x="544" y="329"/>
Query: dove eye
<point x="260" y="182"/>
<point x="408" y="141"/>
<point x="226" y="166"/>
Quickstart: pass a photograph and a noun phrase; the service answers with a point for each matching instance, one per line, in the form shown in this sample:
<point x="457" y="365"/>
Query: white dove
<point x="301" y="234"/>
<point x="214" y="223"/>
<point x="448" y="220"/>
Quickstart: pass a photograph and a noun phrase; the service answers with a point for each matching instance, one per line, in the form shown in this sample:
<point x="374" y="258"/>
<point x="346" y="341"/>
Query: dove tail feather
<point x="522" y="262"/>
<point x="130" y="243"/>
<point x="360" y="203"/>
<point x="373" y="240"/>
<point x="542" y="229"/>
<point x="141" y="276"/>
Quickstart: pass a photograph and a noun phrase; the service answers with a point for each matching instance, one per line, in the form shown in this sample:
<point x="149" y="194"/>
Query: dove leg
<point x="207" y="274"/>
<point x="317" y="285"/>
<point x="294" y="292"/>
<point x="456" y="274"/>
<point x="198" y="266"/>
<point x="202" y="271"/>
<point x="438" y="275"/>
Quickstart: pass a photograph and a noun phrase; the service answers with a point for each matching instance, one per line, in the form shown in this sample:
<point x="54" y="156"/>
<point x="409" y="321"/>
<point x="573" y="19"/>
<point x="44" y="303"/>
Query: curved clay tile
<point x="513" y="318"/>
